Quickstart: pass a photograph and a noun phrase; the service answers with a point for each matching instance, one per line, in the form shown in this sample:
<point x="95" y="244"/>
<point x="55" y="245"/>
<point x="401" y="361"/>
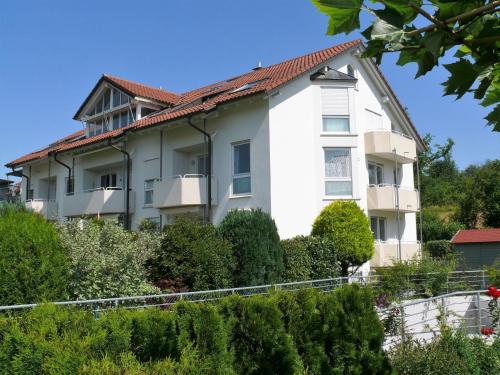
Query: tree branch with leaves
<point x="471" y="28"/>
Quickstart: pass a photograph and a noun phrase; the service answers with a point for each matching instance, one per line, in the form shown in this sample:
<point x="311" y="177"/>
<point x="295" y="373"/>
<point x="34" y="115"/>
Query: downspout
<point x="69" y="173"/>
<point x="208" y="214"/>
<point x="161" y="168"/>
<point x="396" y="186"/>
<point x="126" y="223"/>
<point x="28" y="180"/>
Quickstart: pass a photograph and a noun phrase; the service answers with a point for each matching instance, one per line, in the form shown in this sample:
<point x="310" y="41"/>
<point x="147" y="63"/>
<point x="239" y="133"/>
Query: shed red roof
<point x="476" y="236"/>
<point x="263" y="80"/>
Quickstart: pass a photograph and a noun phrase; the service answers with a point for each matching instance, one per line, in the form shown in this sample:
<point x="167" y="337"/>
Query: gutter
<point x="69" y="172"/>
<point x="21" y="174"/>
<point x="208" y="214"/>
<point x="126" y="223"/>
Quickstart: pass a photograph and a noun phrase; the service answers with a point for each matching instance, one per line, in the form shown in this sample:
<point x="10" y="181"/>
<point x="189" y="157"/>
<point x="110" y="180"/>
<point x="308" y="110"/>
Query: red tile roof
<point x="476" y="236"/>
<point x="133" y="89"/>
<point x="262" y="80"/>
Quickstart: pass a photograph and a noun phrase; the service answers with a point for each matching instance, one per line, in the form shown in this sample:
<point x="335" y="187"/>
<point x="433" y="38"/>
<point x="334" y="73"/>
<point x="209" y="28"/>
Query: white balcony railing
<point x="387" y="252"/>
<point x="389" y="145"/>
<point x="46" y="207"/>
<point x="101" y="201"/>
<point x="388" y="197"/>
<point x="182" y="190"/>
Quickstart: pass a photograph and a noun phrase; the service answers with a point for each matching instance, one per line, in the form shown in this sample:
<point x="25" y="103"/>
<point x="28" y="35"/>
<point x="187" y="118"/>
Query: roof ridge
<point x="140" y="84"/>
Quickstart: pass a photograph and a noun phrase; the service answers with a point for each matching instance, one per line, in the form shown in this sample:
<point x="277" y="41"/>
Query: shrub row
<point x="307" y="332"/>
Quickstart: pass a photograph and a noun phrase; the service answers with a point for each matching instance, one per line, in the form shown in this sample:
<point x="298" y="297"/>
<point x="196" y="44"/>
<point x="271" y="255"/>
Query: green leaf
<point x="382" y="30"/>
<point x="462" y="76"/>
<point x="426" y="62"/>
<point x="493" y="118"/>
<point x="408" y="56"/>
<point x="433" y="42"/>
<point x="463" y="51"/>
<point x="492" y="95"/>
<point x="448" y="9"/>
<point x="483" y="86"/>
<point x="344" y="14"/>
<point x="391" y="16"/>
<point x="401" y="6"/>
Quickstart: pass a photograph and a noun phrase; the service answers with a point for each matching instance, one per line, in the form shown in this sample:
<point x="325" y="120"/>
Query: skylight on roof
<point x="247" y="86"/>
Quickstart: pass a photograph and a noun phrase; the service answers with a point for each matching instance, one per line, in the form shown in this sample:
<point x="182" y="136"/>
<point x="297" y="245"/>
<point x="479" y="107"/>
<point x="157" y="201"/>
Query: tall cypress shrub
<point x="256" y="245"/>
<point x="33" y="265"/>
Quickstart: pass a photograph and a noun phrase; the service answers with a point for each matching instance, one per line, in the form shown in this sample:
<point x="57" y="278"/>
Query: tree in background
<point x="256" y="245"/>
<point x="33" y="265"/>
<point x="471" y="25"/>
<point x="348" y="228"/>
<point x="480" y="204"/>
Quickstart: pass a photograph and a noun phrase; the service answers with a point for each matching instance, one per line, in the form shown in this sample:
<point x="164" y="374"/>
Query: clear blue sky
<point x="53" y="52"/>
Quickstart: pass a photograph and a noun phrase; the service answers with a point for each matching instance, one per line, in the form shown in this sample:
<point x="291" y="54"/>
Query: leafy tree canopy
<point x="470" y="26"/>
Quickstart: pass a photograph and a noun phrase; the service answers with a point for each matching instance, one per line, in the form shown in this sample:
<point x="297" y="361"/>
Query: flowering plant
<point x="494" y="311"/>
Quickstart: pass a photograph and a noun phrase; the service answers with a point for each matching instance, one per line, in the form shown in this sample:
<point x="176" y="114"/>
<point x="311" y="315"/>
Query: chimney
<point x="259" y="66"/>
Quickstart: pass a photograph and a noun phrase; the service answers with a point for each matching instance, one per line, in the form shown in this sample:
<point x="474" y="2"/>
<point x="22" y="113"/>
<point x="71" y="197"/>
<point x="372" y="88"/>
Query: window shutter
<point x="334" y="101"/>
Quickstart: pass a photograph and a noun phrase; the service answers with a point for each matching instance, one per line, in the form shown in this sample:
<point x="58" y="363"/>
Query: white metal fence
<point x="424" y="319"/>
<point x="407" y="287"/>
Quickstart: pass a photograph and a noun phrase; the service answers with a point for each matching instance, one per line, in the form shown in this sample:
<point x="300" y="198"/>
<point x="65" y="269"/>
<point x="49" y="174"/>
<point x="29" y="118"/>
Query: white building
<point x="288" y="138"/>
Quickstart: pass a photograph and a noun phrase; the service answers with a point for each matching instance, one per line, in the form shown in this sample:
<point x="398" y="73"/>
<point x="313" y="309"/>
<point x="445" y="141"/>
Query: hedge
<point x="256" y="244"/>
<point x="33" y="265"/>
<point x="285" y="333"/>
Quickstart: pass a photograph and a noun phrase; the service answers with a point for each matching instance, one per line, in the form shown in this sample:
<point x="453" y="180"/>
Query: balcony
<point x="388" y="144"/>
<point x="102" y="201"/>
<point x="46" y="208"/>
<point x="385" y="198"/>
<point x="387" y="252"/>
<point x="181" y="191"/>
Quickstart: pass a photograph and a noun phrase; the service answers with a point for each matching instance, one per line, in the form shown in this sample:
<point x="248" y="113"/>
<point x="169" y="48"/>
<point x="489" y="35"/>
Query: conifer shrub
<point x="438" y="248"/>
<point x="33" y="265"/>
<point x="256" y="244"/>
<point x="309" y="258"/>
<point x="345" y="224"/>
<point x="193" y="255"/>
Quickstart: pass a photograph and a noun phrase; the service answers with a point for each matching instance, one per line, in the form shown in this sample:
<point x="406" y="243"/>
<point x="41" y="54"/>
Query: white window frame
<point x="337" y="179"/>
<point x="376" y="165"/>
<point x="240" y="175"/>
<point x="377" y="235"/>
<point x="149" y="190"/>
<point x="323" y="117"/>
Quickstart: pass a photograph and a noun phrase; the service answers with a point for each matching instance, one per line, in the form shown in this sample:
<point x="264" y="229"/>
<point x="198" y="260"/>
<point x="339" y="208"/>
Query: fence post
<point x="403" y="324"/>
<point x="478" y="304"/>
<point x="447" y="283"/>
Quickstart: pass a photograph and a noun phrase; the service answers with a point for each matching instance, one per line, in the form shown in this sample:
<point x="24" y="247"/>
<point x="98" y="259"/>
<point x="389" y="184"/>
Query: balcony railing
<point x="389" y="145"/>
<point x="101" y="201"/>
<point x="387" y="252"/>
<point x="182" y="190"/>
<point x="46" y="207"/>
<point x="388" y="197"/>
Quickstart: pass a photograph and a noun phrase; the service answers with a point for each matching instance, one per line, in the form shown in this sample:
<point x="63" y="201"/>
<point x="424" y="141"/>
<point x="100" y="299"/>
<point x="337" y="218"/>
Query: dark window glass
<point x="116" y="98"/>
<point x="116" y="121"/>
<point x="242" y="158"/>
<point x="107" y="99"/>
<point x="124" y="119"/>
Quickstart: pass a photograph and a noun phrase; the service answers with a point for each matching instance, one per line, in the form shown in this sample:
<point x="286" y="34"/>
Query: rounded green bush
<point x="256" y="244"/>
<point x="33" y="265"/>
<point x="438" y="248"/>
<point x="194" y="254"/>
<point x="346" y="225"/>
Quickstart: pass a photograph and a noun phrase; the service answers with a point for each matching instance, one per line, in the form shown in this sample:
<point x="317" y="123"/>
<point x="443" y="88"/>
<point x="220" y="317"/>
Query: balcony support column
<point x="208" y="137"/>
<point x="126" y="223"/>
<point x="21" y="174"/>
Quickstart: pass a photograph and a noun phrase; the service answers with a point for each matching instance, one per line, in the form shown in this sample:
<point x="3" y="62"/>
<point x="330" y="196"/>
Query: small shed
<point x="477" y="247"/>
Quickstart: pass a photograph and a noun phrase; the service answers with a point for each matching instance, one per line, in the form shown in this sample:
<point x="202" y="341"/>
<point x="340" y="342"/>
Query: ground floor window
<point x="379" y="228"/>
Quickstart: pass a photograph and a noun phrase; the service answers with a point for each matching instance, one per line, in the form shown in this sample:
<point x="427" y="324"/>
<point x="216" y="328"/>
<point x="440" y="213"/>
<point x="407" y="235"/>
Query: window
<point x="350" y="71"/>
<point x="375" y="174"/>
<point x="116" y="122"/>
<point x="335" y="124"/>
<point x="241" y="168"/>
<point x="148" y="192"/>
<point x="70" y="185"/>
<point x="108" y="180"/>
<point x="378" y="226"/>
<point x="335" y="110"/>
<point x="202" y="165"/>
<point x="116" y="98"/>
<point x="338" y="180"/>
